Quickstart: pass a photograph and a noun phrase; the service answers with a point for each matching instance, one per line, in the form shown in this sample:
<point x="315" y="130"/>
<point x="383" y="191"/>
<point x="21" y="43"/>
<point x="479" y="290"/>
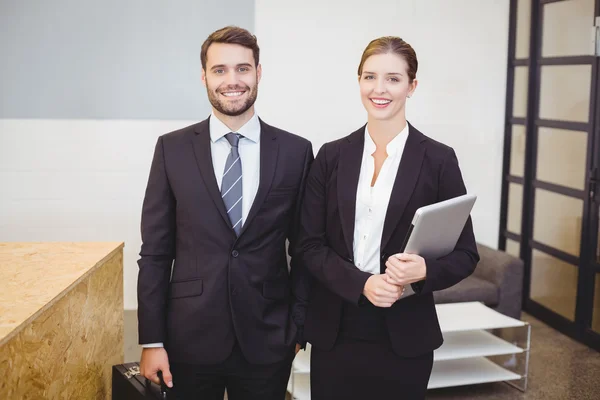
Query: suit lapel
<point x="404" y="185"/>
<point x="201" y="144"/>
<point x="269" y="151"/>
<point x="347" y="183"/>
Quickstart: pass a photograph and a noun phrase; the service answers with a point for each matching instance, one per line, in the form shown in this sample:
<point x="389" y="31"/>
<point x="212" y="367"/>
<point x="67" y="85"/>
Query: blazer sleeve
<point x="449" y="270"/>
<point x="336" y="273"/>
<point x="300" y="277"/>
<point x="157" y="251"/>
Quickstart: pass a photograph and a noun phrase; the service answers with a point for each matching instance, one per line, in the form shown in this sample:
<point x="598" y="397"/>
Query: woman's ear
<point x="413" y="87"/>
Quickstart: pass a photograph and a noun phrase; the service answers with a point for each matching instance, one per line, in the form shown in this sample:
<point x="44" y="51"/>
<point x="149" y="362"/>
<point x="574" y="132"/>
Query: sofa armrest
<point x="506" y="273"/>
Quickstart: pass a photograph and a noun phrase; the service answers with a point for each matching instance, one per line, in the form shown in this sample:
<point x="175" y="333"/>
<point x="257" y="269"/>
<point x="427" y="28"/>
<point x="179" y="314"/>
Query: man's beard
<point x="233" y="110"/>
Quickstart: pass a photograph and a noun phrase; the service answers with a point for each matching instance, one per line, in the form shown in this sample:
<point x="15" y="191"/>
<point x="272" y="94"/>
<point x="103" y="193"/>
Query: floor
<point x="559" y="369"/>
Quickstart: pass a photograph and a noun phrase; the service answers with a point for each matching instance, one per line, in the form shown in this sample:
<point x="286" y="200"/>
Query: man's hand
<point x="404" y="269"/>
<point x="298" y="348"/>
<point x="380" y="292"/>
<point x="155" y="359"/>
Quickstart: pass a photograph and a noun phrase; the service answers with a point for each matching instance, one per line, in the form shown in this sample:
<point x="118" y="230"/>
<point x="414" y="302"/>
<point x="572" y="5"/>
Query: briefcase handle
<point x="164" y="389"/>
<point x="163" y="386"/>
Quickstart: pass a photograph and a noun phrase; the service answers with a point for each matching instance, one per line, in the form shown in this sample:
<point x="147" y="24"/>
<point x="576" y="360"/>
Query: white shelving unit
<point x="469" y="344"/>
<point x="462" y="359"/>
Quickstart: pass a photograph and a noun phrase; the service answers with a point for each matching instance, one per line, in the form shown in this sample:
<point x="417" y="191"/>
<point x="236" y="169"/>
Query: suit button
<point x="235" y="253"/>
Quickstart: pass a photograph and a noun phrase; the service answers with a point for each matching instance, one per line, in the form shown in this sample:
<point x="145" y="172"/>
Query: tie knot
<point x="233" y="138"/>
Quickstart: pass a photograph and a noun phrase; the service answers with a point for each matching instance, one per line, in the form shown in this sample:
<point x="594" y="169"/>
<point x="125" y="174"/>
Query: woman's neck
<point x="384" y="131"/>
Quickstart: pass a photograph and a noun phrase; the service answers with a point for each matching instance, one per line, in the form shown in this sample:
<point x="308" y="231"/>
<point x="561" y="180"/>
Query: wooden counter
<point x="61" y="319"/>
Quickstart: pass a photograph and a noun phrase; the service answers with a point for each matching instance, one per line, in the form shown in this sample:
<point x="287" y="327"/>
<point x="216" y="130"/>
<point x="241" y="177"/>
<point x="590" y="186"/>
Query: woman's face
<point x="384" y="86"/>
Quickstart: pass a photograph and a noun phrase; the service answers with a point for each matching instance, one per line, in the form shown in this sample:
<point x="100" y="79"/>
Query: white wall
<point x="310" y="52"/>
<point x="78" y="180"/>
<point x="84" y="180"/>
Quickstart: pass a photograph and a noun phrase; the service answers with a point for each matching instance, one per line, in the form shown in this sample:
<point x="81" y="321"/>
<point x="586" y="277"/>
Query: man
<point x="217" y="307"/>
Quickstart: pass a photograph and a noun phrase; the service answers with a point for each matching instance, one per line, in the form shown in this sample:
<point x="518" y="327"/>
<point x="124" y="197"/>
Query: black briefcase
<point x="128" y="384"/>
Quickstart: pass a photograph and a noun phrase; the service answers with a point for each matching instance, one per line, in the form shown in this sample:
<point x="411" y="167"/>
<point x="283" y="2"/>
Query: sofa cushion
<point x="470" y="289"/>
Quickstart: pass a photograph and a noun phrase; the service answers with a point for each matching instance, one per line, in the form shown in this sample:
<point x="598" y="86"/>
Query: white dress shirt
<point x="249" y="149"/>
<point x="372" y="201"/>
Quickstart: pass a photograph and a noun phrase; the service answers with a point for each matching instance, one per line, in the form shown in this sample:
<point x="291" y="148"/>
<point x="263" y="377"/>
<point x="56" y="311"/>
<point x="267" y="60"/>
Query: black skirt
<point x="362" y="364"/>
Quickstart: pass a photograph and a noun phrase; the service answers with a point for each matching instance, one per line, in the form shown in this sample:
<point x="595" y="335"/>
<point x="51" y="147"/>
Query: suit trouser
<point x="243" y="381"/>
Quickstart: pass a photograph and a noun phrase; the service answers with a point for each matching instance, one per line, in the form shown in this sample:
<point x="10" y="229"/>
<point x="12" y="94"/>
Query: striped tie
<point x="231" y="186"/>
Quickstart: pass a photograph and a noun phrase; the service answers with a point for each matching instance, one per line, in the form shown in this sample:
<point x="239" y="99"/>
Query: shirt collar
<point x="250" y="130"/>
<point x="392" y="147"/>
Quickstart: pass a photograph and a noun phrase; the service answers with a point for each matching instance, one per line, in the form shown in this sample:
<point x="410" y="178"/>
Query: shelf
<point x="470" y="316"/>
<point x="446" y="373"/>
<point x="459" y="345"/>
<point x="301" y="387"/>
<point x="468" y="371"/>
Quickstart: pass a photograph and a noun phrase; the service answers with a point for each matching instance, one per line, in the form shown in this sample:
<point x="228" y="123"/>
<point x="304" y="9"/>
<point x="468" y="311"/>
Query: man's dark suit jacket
<point x="222" y="288"/>
<point x="428" y="173"/>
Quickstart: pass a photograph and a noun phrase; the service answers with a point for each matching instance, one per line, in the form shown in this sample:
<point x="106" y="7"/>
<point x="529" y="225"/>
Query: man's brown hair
<point x="231" y="35"/>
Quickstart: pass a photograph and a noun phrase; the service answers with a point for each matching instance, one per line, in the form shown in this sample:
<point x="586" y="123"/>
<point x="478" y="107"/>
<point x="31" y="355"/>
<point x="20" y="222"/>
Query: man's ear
<point x="258" y="73"/>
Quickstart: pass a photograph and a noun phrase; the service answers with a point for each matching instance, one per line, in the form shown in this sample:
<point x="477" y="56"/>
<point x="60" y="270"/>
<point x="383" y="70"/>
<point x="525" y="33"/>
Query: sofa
<point x="497" y="282"/>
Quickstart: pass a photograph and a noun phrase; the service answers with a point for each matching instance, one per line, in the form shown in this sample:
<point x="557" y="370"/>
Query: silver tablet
<point x="435" y="228"/>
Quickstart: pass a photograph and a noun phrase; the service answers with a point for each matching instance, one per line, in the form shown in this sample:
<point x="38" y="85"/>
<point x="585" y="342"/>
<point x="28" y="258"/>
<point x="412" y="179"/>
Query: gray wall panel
<point x="111" y="59"/>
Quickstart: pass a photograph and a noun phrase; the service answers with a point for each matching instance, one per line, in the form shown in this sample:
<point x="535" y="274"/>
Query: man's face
<point x="231" y="79"/>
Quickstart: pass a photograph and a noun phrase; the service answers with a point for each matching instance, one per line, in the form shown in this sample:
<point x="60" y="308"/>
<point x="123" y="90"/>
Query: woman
<point x="371" y="318"/>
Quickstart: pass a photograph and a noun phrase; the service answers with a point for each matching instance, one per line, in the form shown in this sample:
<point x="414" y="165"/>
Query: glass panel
<point x="565" y="92"/>
<point x="517" y="153"/>
<point x="596" y="306"/>
<point x="523" y="28"/>
<point x="567" y="28"/>
<point x="562" y="157"/>
<point x="520" y="92"/>
<point x="554" y="284"/>
<point x="557" y="221"/>
<point x="513" y="248"/>
<point x="515" y="207"/>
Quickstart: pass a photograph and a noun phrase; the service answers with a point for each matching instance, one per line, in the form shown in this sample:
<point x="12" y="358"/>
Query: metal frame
<point x="592" y="275"/>
<point x="588" y="264"/>
<point x="556" y="253"/>
<point x="527" y="350"/>
<point x="530" y="146"/>
<point x="553" y="187"/>
<point x="508" y="121"/>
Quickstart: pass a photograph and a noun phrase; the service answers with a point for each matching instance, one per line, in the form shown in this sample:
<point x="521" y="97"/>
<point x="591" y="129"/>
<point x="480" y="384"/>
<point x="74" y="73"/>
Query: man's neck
<point x="235" y="122"/>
